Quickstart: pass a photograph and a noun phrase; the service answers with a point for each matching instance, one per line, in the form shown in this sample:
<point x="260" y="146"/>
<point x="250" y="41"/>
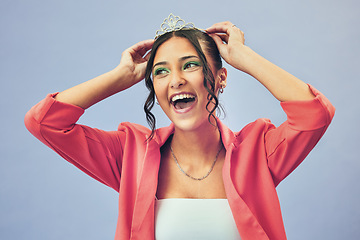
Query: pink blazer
<point x="257" y="159"/>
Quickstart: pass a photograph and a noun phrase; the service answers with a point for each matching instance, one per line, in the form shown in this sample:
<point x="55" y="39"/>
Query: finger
<point x="218" y="40"/>
<point x="219" y="25"/>
<point x="224" y="37"/>
<point x="144" y="44"/>
<point x="147" y="56"/>
<point x="220" y="44"/>
<point x="142" y="47"/>
<point x="222" y="27"/>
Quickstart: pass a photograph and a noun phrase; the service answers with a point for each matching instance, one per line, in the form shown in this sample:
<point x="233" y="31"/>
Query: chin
<point x="190" y="125"/>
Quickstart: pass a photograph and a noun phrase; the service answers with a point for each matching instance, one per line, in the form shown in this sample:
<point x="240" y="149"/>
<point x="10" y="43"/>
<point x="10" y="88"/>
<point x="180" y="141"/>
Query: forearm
<point x="282" y="85"/>
<point x="130" y="71"/>
<point x="88" y="93"/>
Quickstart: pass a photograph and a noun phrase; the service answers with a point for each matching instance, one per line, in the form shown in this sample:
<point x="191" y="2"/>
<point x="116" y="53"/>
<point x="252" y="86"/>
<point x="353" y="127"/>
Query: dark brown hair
<point x="194" y="36"/>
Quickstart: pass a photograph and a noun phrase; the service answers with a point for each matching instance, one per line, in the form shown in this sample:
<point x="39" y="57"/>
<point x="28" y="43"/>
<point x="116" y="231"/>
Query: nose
<point x="177" y="80"/>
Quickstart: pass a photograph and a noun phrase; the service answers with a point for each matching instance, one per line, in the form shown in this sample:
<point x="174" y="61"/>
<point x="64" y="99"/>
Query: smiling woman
<point x="195" y="179"/>
<point x="191" y="58"/>
<point x="179" y="84"/>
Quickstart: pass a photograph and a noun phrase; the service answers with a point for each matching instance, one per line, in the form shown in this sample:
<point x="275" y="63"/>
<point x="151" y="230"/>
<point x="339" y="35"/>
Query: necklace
<point x="188" y="175"/>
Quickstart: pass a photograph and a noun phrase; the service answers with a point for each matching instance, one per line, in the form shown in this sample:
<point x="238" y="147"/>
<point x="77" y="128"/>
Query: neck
<point x="201" y="144"/>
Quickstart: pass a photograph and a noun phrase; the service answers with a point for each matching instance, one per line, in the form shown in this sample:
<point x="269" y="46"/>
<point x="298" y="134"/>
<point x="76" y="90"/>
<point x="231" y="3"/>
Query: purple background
<point x="48" y="46"/>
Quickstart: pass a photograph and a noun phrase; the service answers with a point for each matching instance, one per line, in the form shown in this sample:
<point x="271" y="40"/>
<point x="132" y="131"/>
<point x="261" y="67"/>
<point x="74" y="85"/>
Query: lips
<point x="183" y="101"/>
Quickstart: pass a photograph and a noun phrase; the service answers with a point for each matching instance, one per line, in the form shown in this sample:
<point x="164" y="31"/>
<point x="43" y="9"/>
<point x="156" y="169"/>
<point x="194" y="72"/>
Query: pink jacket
<point x="257" y="159"/>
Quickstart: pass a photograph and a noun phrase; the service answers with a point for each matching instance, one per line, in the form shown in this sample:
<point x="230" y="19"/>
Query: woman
<point x="196" y="168"/>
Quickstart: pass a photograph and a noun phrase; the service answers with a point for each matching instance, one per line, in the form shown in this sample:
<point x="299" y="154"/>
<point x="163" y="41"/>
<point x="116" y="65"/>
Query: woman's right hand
<point x="133" y="62"/>
<point x="130" y="71"/>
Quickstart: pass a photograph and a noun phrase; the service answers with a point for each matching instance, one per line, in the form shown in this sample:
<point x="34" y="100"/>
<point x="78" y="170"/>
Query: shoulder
<point x="134" y="129"/>
<point x="261" y="125"/>
<point x="254" y="130"/>
<point x="133" y="126"/>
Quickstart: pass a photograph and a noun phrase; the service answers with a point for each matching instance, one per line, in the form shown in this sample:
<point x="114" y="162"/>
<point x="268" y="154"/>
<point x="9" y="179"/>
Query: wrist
<point x="121" y="78"/>
<point x="246" y="61"/>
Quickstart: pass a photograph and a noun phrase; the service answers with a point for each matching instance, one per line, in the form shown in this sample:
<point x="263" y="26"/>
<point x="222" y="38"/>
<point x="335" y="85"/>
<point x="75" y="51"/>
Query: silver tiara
<point x="173" y="23"/>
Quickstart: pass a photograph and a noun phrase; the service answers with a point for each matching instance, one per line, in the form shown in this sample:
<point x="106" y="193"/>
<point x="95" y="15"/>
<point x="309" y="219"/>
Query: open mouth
<point x="182" y="101"/>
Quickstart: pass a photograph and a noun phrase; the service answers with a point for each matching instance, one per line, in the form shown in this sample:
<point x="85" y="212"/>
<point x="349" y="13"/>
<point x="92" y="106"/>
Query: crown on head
<point x="173" y="23"/>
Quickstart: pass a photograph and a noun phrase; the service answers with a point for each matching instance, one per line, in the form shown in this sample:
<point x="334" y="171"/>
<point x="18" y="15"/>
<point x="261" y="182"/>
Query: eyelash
<point x="197" y="64"/>
<point x="159" y="70"/>
<point x="186" y="66"/>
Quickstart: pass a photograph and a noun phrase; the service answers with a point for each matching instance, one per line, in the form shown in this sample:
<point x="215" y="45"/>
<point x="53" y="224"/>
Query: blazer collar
<point x="227" y="136"/>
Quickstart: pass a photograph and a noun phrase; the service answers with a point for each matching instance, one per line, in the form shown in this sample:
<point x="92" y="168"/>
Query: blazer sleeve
<point x="96" y="152"/>
<point x="289" y="144"/>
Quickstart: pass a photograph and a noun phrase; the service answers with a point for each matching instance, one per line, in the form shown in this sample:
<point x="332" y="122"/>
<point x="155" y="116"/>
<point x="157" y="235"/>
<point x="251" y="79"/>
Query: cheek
<point x="200" y="84"/>
<point x="160" y="90"/>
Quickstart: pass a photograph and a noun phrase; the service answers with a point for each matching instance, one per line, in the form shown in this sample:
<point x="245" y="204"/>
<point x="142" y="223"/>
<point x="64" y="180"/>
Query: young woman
<point x="195" y="179"/>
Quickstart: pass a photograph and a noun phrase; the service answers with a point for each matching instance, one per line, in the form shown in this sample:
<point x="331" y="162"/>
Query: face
<point x="178" y="83"/>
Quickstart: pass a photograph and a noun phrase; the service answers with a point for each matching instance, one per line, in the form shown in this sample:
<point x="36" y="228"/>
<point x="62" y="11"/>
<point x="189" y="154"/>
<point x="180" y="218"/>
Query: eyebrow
<point x="180" y="60"/>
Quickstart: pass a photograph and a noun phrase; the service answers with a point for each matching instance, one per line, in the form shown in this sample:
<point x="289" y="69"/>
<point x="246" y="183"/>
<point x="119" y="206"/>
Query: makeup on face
<point x="188" y="64"/>
<point x="161" y="69"/>
<point x="178" y="80"/>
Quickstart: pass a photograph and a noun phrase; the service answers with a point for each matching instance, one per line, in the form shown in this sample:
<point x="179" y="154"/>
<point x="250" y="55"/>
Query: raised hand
<point x="230" y="41"/>
<point x="130" y="71"/>
<point x="133" y="61"/>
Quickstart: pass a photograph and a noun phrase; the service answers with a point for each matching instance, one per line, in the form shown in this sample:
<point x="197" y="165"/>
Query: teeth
<point x="181" y="96"/>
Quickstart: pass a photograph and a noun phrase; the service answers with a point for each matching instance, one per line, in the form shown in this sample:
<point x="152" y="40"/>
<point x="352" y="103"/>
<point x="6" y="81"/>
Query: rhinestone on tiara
<point x="173" y="23"/>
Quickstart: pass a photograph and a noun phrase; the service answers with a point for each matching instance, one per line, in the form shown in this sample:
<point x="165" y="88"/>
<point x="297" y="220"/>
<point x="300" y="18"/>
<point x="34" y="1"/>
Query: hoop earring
<point x="221" y="90"/>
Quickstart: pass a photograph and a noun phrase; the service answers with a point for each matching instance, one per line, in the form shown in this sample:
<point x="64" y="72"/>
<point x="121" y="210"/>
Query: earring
<point x="221" y="89"/>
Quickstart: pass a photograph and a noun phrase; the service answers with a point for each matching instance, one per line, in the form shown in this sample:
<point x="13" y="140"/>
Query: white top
<point x="185" y="218"/>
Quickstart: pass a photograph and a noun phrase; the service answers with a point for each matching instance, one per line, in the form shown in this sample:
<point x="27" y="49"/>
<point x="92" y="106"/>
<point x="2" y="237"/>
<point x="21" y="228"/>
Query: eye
<point x="191" y="65"/>
<point x="161" y="71"/>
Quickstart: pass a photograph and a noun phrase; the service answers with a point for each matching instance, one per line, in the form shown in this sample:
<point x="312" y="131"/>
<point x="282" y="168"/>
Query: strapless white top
<point x="185" y="218"/>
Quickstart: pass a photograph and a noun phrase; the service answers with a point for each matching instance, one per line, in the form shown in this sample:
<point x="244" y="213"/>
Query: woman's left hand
<point x="230" y="41"/>
<point x="284" y="86"/>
